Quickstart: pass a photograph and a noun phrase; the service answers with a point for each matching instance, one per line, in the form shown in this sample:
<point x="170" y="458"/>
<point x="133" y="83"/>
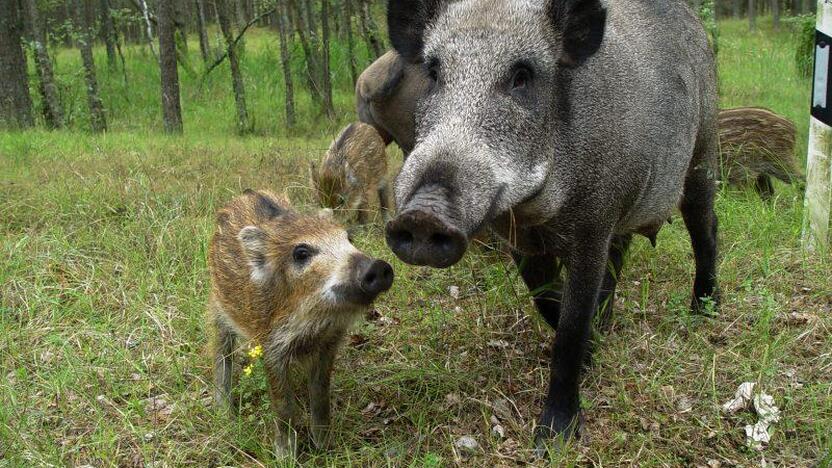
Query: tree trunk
<point x="149" y="27"/>
<point x="84" y="12"/>
<point x="775" y="14"/>
<point x="326" y="78"/>
<point x="368" y="27"/>
<point x="171" y="110"/>
<point x="204" y="44"/>
<point x="52" y="111"/>
<point x="309" y="53"/>
<point x="15" y="102"/>
<point x="737" y="6"/>
<point x="752" y="13"/>
<point x="350" y="40"/>
<point x="285" y="61"/>
<point x="240" y="14"/>
<point x="107" y="32"/>
<point x="224" y="15"/>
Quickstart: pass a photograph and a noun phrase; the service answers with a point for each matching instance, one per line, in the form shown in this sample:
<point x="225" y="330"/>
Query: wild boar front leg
<point x="320" y="372"/>
<point x="283" y="404"/>
<point x="586" y="264"/>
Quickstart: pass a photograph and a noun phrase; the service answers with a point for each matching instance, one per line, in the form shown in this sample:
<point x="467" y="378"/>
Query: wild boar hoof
<point x="553" y="432"/>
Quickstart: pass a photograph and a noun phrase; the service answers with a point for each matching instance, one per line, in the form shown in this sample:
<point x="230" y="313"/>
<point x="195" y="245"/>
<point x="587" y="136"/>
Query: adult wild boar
<point x="386" y="94"/>
<point x="567" y="126"/>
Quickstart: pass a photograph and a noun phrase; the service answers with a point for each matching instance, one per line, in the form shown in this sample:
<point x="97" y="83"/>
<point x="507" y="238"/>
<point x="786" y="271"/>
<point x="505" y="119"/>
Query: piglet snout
<point x="374" y="277"/>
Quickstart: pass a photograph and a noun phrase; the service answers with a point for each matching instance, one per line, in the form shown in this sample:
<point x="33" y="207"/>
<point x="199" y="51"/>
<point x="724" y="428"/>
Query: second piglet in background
<point x="353" y="172"/>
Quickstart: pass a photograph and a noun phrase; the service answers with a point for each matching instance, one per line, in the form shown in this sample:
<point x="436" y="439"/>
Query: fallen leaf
<point x="741" y="398"/>
<point x="452" y="399"/>
<point x="358" y="340"/>
<point x="454" y="291"/>
<point x="765" y="408"/>
<point x="757" y="435"/>
<point x="467" y="445"/>
<point x="499" y="344"/>
<point x="501" y="408"/>
<point x="498" y="431"/>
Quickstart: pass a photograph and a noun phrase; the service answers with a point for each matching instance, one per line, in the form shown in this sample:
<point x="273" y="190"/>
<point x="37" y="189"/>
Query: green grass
<point x="103" y="282"/>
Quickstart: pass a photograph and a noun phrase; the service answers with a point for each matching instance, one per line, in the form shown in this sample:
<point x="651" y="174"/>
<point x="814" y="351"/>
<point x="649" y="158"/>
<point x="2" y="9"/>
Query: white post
<point x="818" y="198"/>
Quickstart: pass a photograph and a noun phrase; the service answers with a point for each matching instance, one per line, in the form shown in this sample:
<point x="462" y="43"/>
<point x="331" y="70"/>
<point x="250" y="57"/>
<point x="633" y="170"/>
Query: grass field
<point x="103" y="282"/>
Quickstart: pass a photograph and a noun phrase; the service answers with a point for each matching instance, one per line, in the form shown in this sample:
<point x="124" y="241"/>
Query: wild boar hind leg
<point x="541" y="273"/>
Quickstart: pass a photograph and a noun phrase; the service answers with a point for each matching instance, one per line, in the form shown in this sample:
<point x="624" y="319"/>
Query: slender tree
<point x="171" y="109"/>
<point x="368" y="27"/>
<point x="52" y="111"/>
<point x="350" y="40"/>
<point x="736" y="7"/>
<point x="752" y="20"/>
<point x="286" y="62"/>
<point x="326" y="78"/>
<point x="204" y="43"/>
<point x="775" y="14"/>
<point x="108" y="32"/>
<point x="309" y="53"/>
<point x="148" y="24"/>
<point x="224" y="15"/>
<point x="15" y="102"/>
<point x="84" y="20"/>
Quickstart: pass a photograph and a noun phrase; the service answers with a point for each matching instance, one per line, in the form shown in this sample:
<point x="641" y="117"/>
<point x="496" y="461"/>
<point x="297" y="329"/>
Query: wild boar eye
<point x="433" y="69"/>
<point x="521" y="78"/>
<point x="302" y="253"/>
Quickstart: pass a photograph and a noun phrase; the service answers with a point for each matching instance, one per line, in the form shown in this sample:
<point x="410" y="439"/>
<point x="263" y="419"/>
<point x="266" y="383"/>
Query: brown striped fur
<point x="261" y="292"/>
<point x="353" y="172"/>
<point x="755" y="145"/>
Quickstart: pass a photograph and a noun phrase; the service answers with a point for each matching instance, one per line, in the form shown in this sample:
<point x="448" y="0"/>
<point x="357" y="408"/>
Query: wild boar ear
<point x="406" y="24"/>
<point x="264" y="206"/>
<point x="581" y="25"/>
<point x="253" y="240"/>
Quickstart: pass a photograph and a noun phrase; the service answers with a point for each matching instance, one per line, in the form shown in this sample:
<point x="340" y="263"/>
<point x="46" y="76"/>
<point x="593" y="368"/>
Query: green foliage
<point x="804" y="53"/>
<point x="207" y="102"/>
<point x="707" y="13"/>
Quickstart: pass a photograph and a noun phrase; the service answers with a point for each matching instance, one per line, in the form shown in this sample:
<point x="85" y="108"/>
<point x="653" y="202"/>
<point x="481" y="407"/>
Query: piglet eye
<point x="302" y="253"/>
<point x="520" y="79"/>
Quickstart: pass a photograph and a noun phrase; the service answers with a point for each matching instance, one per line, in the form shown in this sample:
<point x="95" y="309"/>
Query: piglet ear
<point x="406" y="24"/>
<point x="265" y="207"/>
<point x="581" y="25"/>
<point x="254" y="243"/>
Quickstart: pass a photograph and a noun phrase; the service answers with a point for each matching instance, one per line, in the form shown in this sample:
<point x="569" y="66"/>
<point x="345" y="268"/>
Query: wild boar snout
<point x="424" y="233"/>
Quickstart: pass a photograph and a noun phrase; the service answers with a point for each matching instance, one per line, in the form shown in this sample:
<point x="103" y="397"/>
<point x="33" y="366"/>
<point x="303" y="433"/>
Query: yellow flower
<point x="255" y="352"/>
<point x="247" y="370"/>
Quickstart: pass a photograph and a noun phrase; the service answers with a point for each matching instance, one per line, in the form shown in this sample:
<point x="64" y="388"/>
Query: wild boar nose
<point x="420" y="237"/>
<point x="377" y="278"/>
